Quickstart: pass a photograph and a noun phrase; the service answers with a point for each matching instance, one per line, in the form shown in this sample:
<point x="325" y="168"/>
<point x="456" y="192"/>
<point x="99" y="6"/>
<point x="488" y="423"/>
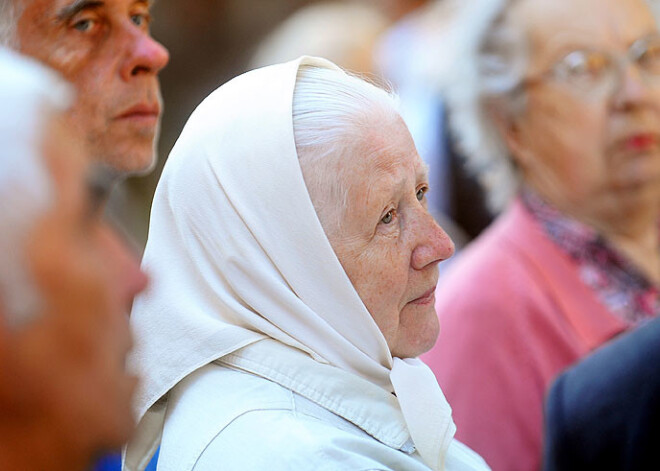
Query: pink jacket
<point x="513" y="313"/>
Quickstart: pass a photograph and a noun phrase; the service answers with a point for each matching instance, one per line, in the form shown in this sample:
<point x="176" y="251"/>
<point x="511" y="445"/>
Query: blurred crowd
<point x="382" y="234"/>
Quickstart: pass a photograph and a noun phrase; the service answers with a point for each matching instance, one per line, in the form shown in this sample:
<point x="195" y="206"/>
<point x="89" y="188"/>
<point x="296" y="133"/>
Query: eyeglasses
<point x="597" y="74"/>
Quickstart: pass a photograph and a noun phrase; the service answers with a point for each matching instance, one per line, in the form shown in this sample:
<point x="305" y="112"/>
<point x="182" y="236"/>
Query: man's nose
<point x="145" y="55"/>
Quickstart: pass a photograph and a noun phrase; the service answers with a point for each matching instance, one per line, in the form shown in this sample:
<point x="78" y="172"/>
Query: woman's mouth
<point x="427" y="298"/>
<point x="641" y="142"/>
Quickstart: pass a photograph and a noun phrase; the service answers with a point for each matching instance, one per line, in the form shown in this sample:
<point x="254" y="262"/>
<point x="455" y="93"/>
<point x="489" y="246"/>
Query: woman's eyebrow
<point x="423" y="171"/>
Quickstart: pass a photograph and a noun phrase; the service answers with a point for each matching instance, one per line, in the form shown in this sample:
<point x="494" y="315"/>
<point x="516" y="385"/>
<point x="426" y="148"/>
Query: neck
<point x="635" y="232"/>
<point x="24" y="446"/>
<point x="642" y="249"/>
<point x="630" y="222"/>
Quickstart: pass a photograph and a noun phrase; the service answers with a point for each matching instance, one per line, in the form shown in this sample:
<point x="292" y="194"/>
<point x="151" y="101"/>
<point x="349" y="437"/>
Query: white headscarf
<point x="237" y="254"/>
<point x="29" y="94"/>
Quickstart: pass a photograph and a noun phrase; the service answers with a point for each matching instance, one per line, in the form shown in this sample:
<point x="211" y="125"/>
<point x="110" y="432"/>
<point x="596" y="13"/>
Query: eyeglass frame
<point x="618" y="64"/>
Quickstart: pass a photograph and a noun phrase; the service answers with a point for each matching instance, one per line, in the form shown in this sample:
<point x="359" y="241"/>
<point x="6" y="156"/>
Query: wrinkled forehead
<point x="63" y="9"/>
<point x="77" y="4"/>
<point x="392" y="138"/>
<point x="386" y="155"/>
<point x="552" y="26"/>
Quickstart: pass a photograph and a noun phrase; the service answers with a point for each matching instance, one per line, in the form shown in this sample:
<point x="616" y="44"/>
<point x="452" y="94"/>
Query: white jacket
<point x="306" y="416"/>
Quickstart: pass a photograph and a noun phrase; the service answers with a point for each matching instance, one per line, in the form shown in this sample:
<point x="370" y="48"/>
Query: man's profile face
<point x="104" y="48"/>
<point x="73" y="354"/>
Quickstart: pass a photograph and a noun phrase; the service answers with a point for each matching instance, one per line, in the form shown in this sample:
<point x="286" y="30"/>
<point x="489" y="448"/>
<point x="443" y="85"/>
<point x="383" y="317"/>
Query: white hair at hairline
<point x="333" y="113"/>
<point x="480" y="61"/>
<point x="10" y="12"/>
<point x="30" y="95"/>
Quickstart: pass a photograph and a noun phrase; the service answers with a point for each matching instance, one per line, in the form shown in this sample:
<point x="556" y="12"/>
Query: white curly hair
<point x="478" y="62"/>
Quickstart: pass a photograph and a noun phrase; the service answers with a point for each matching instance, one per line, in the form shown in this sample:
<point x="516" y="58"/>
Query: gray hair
<point x="332" y="111"/>
<point x="30" y="95"/>
<point x="10" y="12"/>
<point x="484" y="61"/>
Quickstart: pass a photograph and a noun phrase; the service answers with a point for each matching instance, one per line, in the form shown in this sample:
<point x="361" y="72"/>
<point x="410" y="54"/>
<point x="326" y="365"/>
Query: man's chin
<point x="119" y="166"/>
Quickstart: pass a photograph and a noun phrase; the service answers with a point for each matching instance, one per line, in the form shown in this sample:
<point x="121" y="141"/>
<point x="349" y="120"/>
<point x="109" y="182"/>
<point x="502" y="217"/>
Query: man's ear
<point x="5" y="330"/>
<point x="6" y="345"/>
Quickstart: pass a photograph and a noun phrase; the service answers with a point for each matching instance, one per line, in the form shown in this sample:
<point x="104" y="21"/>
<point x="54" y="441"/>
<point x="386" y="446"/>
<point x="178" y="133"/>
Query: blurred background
<point x="212" y="41"/>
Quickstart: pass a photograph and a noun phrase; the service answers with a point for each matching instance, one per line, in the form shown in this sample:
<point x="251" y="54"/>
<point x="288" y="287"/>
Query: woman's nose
<point x="632" y="88"/>
<point x="433" y="243"/>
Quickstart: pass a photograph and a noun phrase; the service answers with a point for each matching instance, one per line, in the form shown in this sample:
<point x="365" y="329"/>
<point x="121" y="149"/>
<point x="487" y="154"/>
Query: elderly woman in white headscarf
<point x="294" y="264"/>
<point x="557" y="105"/>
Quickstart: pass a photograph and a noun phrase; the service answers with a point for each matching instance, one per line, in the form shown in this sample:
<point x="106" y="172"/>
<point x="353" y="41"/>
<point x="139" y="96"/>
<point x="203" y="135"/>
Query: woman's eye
<point x="421" y="192"/>
<point x="650" y="58"/>
<point x="388" y="217"/>
<point x="585" y="66"/>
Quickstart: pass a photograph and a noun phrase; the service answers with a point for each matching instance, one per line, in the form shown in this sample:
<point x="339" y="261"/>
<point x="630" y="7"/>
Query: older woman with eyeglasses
<point x="557" y="105"/>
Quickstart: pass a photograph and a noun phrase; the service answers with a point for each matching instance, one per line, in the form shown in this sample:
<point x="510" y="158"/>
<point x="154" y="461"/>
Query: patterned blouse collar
<point x="615" y="280"/>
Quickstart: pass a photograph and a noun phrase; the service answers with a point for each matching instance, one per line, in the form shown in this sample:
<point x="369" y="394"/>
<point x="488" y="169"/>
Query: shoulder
<point x="493" y="305"/>
<point x="616" y="385"/>
<point x="280" y="440"/>
<point x="606" y="409"/>
<point x="204" y="404"/>
<point x="627" y="362"/>
<point x="491" y="266"/>
<point x="219" y="418"/>
<point x="498" y="280"/>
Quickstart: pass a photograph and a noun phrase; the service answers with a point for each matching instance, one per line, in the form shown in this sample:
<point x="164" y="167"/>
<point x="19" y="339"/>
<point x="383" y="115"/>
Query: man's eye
<point x="421" y="192"/>
<point x="140" y="19"/>
<point x="84" y="25"/>
<point x="388" y="217"/>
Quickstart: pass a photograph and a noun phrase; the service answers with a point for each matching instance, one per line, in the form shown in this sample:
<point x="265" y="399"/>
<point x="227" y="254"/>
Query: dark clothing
<point x="604" y="412"/>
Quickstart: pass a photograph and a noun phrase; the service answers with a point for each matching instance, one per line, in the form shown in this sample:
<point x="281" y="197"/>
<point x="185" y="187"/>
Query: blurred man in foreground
<point x="66" y="282"/>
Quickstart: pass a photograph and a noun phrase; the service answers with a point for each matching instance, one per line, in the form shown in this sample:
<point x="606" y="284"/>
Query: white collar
<point x="374" y="409"/>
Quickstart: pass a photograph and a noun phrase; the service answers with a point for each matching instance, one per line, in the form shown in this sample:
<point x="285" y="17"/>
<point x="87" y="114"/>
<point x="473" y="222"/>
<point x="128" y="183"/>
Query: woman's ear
<point x="509" y="128"/>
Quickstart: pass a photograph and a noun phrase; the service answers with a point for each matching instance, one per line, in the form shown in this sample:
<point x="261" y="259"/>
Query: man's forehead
<point x="64" y="7"/>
